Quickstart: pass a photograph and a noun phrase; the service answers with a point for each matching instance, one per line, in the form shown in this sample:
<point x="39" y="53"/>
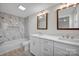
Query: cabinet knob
<point x="33" y="43"/>
<point x="45" y="49"/>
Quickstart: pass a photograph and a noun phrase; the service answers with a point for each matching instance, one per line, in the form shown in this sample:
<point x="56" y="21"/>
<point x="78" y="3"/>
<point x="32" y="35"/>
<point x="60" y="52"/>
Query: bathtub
<point x="10" y="45"/>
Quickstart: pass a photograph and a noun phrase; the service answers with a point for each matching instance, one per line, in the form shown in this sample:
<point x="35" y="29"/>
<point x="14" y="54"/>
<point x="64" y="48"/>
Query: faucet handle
<point x="68" y="36"/>
<point x="0" y="36"/>
<point x="63" y="36"/>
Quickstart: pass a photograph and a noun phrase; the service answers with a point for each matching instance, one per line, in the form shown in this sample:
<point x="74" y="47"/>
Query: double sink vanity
<point x="48" y="45"/>
<point x="52" y="45"/>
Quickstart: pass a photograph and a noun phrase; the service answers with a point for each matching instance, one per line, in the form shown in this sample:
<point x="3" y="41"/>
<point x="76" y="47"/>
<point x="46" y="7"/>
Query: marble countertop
<point x="58" y="39"/>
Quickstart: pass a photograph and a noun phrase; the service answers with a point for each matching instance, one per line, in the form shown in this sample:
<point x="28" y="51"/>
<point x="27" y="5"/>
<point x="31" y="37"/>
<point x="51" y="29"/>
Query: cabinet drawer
<point x="60" y="51"/>
<point x="47" y="42"/>
<point x="60" y="45"/>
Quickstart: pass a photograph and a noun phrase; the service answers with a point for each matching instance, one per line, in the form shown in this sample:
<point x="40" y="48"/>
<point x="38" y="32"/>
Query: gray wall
<point x="26" y="28"/>
<point x="52" y="24"/>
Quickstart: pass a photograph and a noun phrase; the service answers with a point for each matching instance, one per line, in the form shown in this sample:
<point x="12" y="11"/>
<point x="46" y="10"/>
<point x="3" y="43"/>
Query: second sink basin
<point x="71" y="40"/>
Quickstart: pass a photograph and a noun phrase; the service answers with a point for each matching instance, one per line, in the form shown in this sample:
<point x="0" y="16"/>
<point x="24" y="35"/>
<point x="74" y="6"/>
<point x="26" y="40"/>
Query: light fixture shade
<point x="21" y="7"/>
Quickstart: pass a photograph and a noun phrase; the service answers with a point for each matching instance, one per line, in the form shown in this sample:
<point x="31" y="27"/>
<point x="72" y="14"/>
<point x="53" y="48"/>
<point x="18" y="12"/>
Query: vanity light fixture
<point x="41" y="16"/>
<point x="66" y="5"/>
<point x="42" y="12"/>
<point x="21" y="7"/>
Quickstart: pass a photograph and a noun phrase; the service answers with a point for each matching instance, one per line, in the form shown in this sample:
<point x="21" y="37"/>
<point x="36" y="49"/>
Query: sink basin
<point x="75" y="40"/>
<point x="71" y="40"/>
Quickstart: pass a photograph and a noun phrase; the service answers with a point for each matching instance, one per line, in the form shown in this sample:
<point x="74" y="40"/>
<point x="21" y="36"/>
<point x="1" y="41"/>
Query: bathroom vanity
<point x="47" y="45"/>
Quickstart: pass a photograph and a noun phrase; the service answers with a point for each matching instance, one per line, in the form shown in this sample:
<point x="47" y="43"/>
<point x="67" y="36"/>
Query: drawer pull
<point x="45" y="49"/>
<point x="33" y="43"/>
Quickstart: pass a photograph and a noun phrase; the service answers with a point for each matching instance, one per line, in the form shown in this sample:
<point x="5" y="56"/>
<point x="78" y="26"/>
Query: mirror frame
<point x="58" y="22"/>
<point x="46" y="18"/>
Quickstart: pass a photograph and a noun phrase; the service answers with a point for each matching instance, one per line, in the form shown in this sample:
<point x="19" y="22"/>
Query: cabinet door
<point x="32" y="45"/>
<point x="35" y="45"/>
<point x="60" y="49"/>
<point x="65" y="49"/>
<point x="73" y="50"/>
<point x="46" y="47"/>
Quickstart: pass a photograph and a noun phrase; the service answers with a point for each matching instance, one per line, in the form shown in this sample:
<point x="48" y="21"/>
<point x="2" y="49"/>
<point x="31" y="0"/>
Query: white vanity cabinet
<point x="46" y="47"/>
<point x="41" y="47"/>
<point x="61" y="49"/>
<point x="50" y="46"/>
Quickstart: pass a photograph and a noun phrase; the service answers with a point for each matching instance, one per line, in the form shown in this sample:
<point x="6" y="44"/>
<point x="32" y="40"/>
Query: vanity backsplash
<point x="11" y="27"/>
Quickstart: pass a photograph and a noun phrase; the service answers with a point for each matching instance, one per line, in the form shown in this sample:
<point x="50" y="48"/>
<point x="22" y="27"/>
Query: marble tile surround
<point x="11" y="27"/>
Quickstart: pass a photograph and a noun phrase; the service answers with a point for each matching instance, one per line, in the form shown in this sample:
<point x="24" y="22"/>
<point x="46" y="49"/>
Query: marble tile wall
<point x="11" y="27"/>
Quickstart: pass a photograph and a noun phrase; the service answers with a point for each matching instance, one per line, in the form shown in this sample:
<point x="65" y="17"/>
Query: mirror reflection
<point x="42" y="22"/>
<point x="68" y="18"/>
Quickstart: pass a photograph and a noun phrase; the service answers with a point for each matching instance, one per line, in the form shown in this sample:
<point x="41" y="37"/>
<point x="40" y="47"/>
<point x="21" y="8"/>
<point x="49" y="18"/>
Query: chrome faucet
<point x="69" y="37"/>
<point x="66" y="36"/>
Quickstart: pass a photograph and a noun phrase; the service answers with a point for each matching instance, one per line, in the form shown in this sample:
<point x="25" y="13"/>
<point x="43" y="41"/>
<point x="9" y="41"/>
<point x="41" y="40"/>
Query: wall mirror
<point x="42" y="22"/>
<point x="68" y="18"/>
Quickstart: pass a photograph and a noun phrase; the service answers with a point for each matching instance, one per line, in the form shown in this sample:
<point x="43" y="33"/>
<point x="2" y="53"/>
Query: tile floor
<point x="18" y="52"/>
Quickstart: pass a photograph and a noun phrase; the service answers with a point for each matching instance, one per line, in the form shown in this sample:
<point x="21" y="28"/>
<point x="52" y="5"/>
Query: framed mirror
<point x="68" y="18"/>
<point x="42" y="22"/>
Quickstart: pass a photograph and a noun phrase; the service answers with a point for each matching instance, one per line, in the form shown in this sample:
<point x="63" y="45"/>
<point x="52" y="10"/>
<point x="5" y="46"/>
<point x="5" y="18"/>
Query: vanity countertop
<point x="58" y="39"/>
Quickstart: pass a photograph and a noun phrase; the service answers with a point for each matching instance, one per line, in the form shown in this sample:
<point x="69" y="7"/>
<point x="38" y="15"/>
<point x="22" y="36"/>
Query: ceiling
<point x="12" y="8"/>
